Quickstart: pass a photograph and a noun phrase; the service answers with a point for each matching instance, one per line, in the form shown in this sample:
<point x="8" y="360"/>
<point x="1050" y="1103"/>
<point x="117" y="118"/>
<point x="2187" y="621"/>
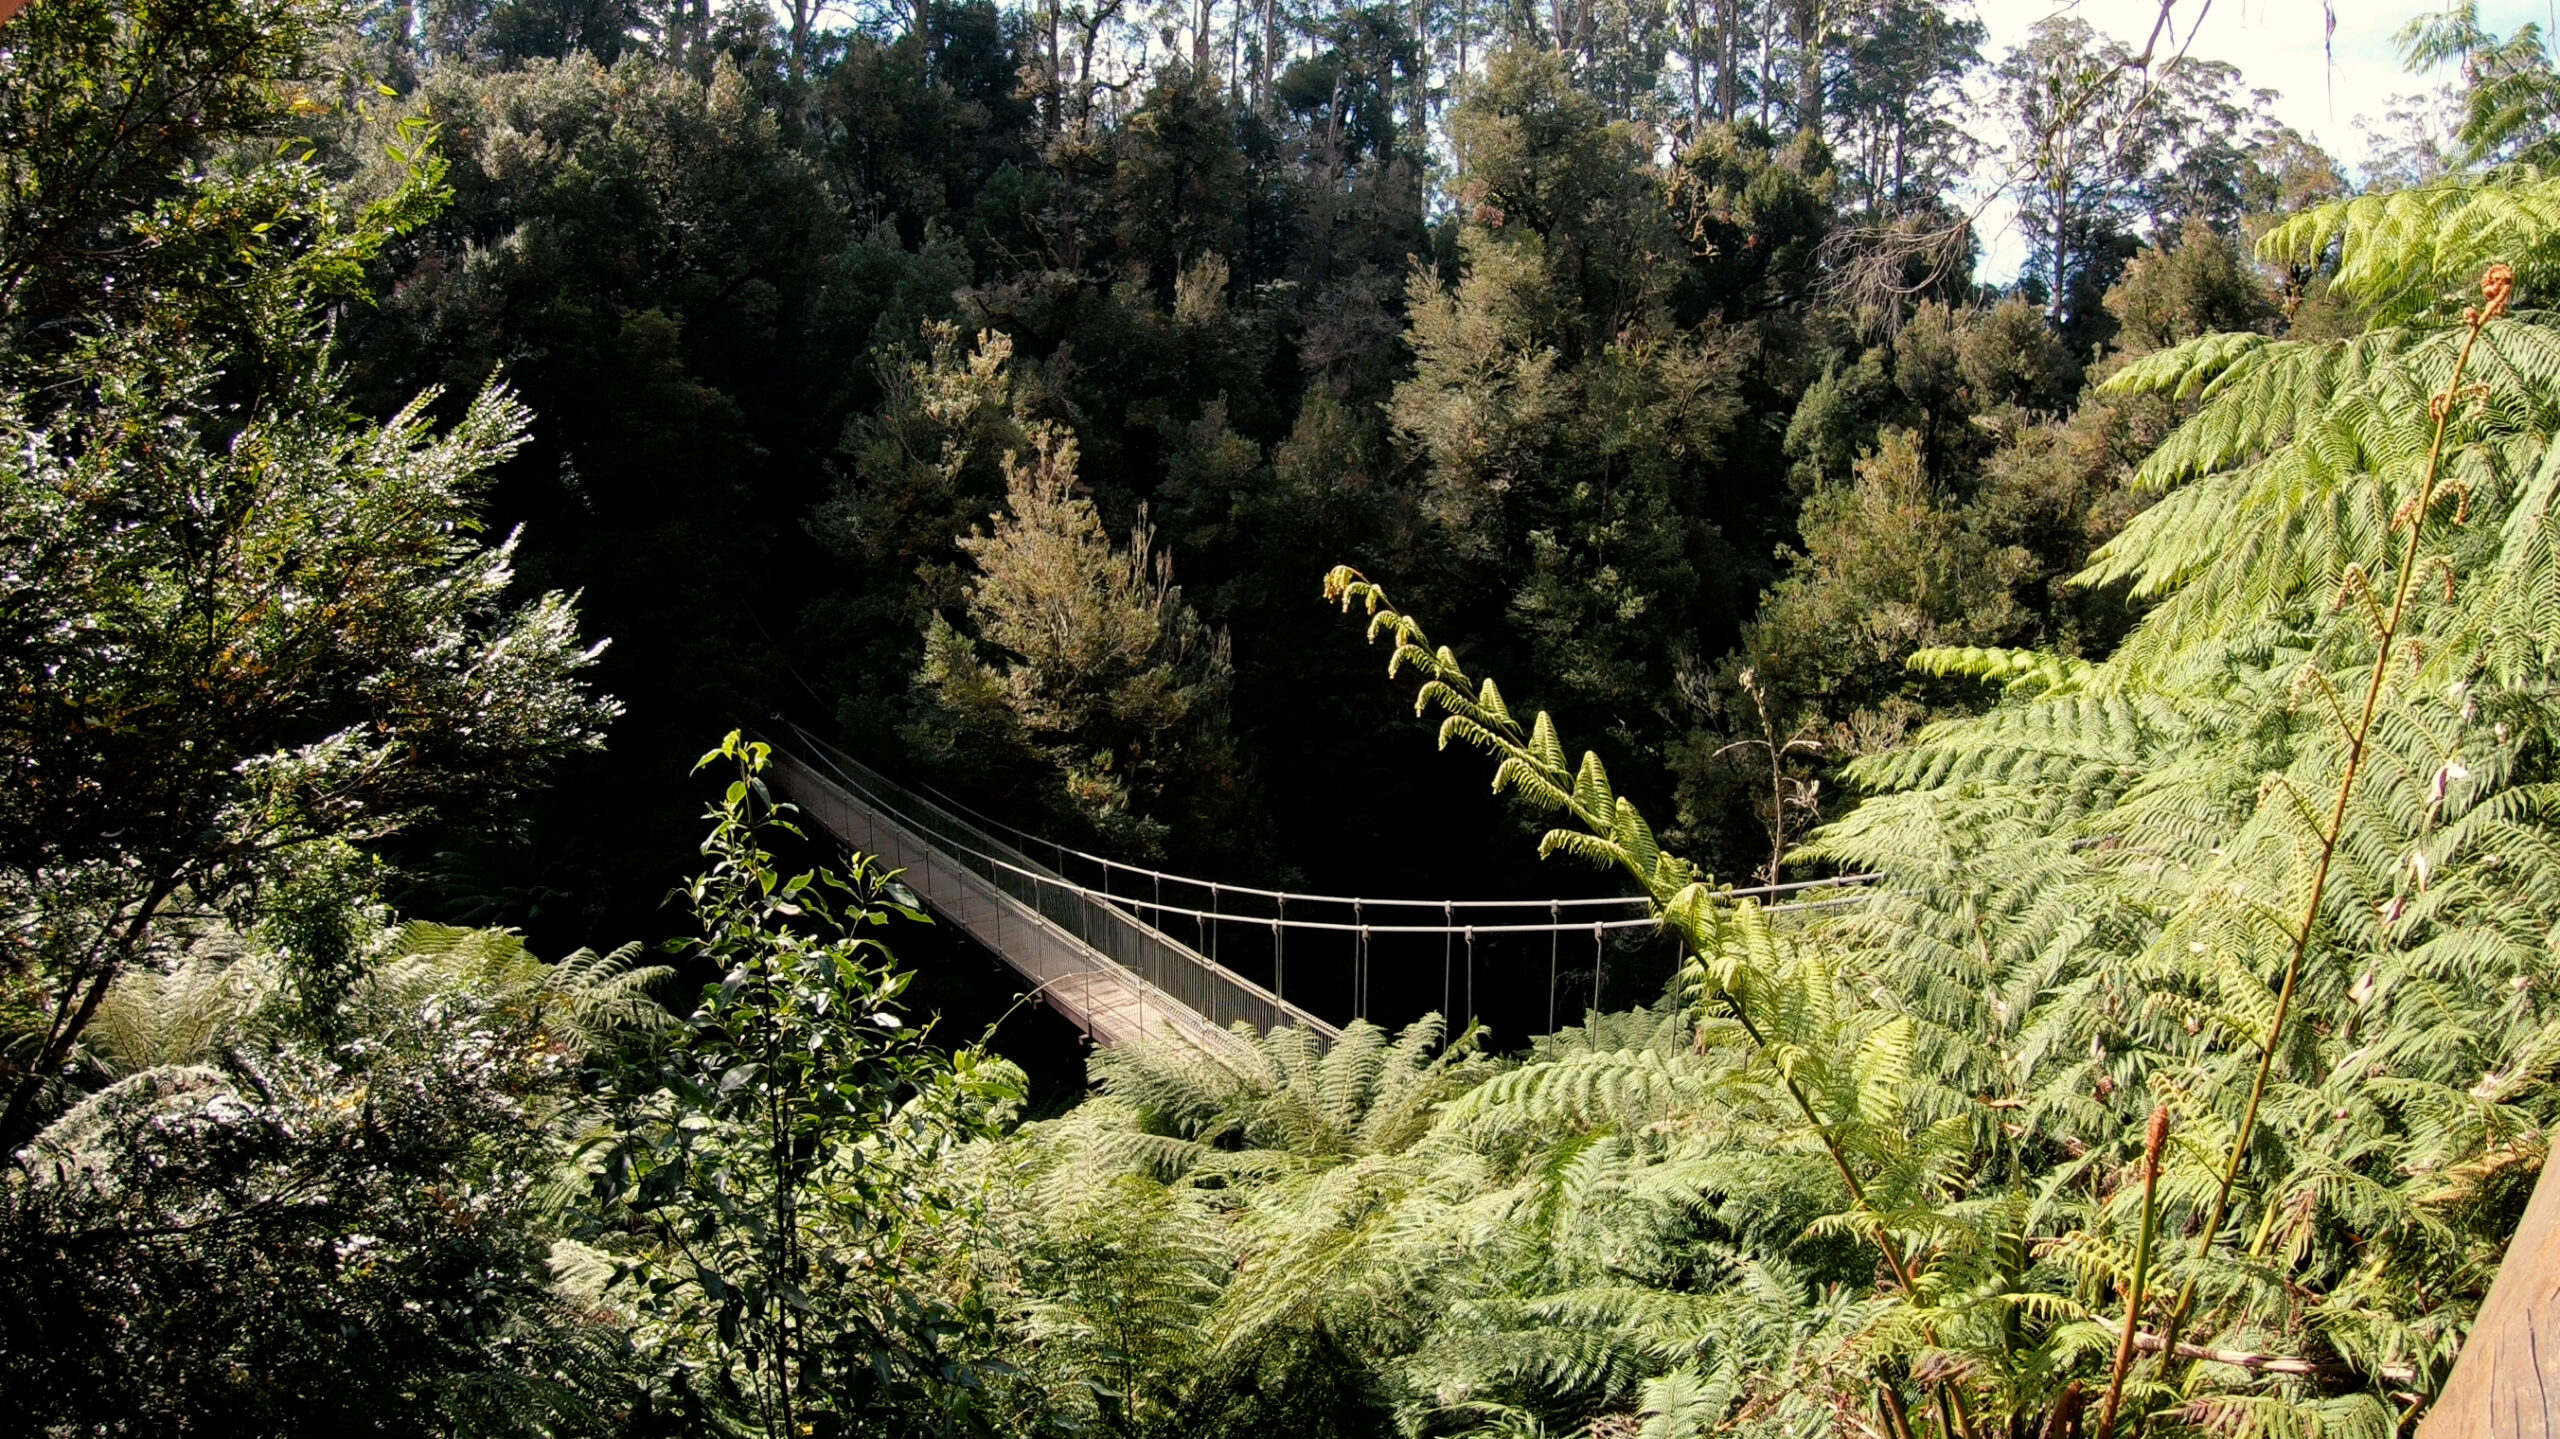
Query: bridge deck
<point x="1099" y="958"/>
<point x="1114" y="976"/>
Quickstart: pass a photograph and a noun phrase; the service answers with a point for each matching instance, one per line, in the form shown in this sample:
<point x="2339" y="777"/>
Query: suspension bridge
<point x="1124" y="951"/>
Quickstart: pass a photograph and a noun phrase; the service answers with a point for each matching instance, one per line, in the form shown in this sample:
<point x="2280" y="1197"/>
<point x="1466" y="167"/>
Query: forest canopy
<point x="443" y="446"/>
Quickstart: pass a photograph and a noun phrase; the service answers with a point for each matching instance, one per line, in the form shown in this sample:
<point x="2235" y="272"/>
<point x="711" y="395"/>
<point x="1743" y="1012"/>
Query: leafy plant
<point x="1084" y="656"/>
<point x="2256" y="875"/>
<point x="765" y="1198"/>
<point x="262" y="1218"/>
<point x="238" y="633"/>
<point x="109" y="104"/>
<point x="1193" y="1249"/>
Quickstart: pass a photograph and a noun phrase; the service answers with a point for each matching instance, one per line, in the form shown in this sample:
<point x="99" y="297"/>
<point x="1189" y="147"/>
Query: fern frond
<point x="2402" y="252"/>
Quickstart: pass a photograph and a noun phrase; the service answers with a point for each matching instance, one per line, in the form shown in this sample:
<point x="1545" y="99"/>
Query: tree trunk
<point x="1055" y="101"/>
<point x="1265" y="61"/>
<point x="1809" y="66"/>
<point x="1729" y="62"/>
<point x="1768" y="68"/>
<point x="1695" y="23"/>
<point x="1422" y="68"/>
<point x="1461" y="81"/>
<point x="803" y="17"/>
<point x="2506" y="1385"/>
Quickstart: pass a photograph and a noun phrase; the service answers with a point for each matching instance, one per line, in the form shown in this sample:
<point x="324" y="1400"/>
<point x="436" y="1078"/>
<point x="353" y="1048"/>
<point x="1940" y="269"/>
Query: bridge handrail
<point x="1107" y="956"/>
<point x="977" y="825"/>
<point x="1143" y="955"/>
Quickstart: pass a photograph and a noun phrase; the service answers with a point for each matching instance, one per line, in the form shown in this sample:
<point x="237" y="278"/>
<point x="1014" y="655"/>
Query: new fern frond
<point x="1780" y="997"/>
<point x="2417" y="516"/>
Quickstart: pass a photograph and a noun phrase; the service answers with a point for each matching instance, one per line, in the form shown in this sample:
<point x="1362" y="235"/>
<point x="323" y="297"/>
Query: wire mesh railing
<point x="1113" y="974"/>
<point x="1224" y="951"/>
<point x="1145" y="887"/>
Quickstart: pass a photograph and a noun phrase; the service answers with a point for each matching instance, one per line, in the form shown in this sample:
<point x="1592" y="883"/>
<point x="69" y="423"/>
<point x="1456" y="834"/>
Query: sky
<point x="2276" y="44"/>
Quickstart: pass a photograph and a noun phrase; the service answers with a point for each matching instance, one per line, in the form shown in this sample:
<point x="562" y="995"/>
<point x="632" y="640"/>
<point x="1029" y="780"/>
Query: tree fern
<point x="2184" y="881"/>
<point x="2101" y="900"/>
<point x="2281" y="872"/>
<point x="2409" y="252"/>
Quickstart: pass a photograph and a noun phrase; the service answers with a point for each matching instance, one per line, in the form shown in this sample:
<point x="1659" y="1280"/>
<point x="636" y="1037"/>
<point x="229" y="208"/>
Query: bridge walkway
<point x="1097" y="952"/>
<point x="1114" y="976"/>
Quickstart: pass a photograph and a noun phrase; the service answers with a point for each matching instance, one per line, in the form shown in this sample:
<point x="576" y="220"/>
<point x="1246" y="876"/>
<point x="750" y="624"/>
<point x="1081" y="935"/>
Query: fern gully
<point x="2277" y="872"/>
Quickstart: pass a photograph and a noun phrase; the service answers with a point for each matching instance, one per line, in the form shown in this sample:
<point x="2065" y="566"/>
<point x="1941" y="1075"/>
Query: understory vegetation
<point x="423" y="428"/>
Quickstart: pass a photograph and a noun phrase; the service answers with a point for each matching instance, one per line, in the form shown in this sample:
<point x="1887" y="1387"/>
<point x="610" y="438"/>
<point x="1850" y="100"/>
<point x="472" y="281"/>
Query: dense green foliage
<point x="2169" y="633"/>
<point x="246" y="627"/>
<point x="2184" y="1067"/>
<point x="1562" y="318"/>
<point x="763" y="1197"/>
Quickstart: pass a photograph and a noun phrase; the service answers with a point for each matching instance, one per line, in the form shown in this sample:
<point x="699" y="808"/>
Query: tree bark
<point x="1695" y="23"/>
<point x="1263" y="61"/>
<point x="1809" y="66"/>
<point x="2506" y="1385"/>
<point x="1461" y="81"/>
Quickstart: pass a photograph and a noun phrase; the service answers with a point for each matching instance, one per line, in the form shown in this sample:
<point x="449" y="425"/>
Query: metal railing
<point x="1099" y="953"/>
<point x="1115" y="976"/>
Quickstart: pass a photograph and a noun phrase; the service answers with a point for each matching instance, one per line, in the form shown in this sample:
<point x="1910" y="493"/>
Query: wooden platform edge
<point x="2506" y="1384"/>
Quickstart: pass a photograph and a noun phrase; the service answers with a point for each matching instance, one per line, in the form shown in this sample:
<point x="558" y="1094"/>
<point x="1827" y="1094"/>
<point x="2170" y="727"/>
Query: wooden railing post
<point x="2506" y="1385"/>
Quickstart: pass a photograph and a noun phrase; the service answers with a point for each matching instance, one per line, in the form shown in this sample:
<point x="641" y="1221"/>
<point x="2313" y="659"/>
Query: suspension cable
<point x="1599" y="957"/>
<point x="1010" y="874"/>
<point x="1471" y="974"/>
<point x="837" y="760"/>
<point x="1448" y="1000"/>
<point x="1366" y="970"/>
<point x="1359" y="966"/>
<point x="1555" y="939"/>
<point x="1218" y="890"/>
